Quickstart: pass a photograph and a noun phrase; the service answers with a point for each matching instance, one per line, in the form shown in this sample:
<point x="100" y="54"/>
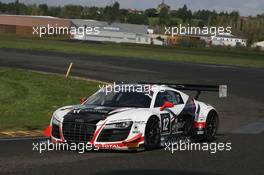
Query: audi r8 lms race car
<point x="137" y="116"/>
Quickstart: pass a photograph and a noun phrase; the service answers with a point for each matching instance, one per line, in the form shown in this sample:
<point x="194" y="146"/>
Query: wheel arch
<point x="148" y="147"/>
<point x="204" y="111"/>
<point x="150" y="117"/>
<point x="212" y="111"/>
<point x="153" y="116"/>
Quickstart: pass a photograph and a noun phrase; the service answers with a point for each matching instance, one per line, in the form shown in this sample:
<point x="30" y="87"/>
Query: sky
<point x="245" y="7"/>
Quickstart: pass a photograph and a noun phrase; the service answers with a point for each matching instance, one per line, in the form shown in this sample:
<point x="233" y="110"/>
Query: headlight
<point x="120" y="125"/>
<point x="55" y="121"/>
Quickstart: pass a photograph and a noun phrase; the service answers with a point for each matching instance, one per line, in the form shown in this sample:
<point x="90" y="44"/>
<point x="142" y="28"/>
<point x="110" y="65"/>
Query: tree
<point x="14" y="8"/>
<point x="54" y="11"/>
<point x="164" y="18"/>
<point x="184" y="13"/>
<point x="151" y="12"/>
<point x="71" y="11"/>
<point x="137" y="19"/>
<point x="115" y="11"/>
<point x="91" y="13"/>
<point x="123" y="15"/>
<point x="43" y="8"/>
<point x="34" y="10"/>
<point x="112" y="13"/>
<point x="201" y="24"/>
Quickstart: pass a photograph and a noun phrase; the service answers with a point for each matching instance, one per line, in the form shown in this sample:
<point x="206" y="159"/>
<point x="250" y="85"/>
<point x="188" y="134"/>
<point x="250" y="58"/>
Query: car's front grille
<point x="55" y="131"/>
<point x="77" y="131"/>
<point x="113" y="135"/>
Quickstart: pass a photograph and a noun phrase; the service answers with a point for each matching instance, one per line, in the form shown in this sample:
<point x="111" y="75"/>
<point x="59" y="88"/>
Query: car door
<point x="168" y="115"/>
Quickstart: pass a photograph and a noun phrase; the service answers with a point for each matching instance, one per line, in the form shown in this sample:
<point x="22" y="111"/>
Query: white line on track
<point x="252" y="128"/>
<point x="22" y="138"/>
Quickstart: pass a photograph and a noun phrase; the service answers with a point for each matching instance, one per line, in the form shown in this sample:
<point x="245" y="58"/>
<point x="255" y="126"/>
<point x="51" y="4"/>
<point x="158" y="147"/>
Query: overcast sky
<point x="245" y="7"/>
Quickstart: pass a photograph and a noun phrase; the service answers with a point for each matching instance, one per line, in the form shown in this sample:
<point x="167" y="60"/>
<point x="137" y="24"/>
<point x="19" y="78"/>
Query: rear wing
<point x="221" y="89"/>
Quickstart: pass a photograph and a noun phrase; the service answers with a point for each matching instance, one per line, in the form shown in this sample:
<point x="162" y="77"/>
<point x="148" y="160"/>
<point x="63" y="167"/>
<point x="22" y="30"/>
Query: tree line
<point x="251" y="28"/>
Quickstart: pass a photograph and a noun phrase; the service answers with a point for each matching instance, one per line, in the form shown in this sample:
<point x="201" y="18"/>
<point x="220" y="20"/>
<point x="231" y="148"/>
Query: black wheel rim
<point x="212" y="125"/>
<point x="152" y="133"/>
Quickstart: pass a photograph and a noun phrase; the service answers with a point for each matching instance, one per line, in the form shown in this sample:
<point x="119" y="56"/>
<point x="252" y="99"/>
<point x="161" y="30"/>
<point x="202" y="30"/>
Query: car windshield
<point x="120" y="99"/>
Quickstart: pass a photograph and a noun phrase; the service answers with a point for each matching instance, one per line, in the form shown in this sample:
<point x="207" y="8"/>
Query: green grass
<point x="222" y="56"/>
<point x="28" y="99"/>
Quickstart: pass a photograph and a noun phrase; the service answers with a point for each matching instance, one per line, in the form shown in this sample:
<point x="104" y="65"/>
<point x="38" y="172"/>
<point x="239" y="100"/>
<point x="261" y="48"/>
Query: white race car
<point x="138" y="116"/>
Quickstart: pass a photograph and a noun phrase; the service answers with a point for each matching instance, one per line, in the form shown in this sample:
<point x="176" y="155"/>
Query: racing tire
<point x="211" y="126"/>
<point x="152" y="134"/>
<point x="188" y="127"/>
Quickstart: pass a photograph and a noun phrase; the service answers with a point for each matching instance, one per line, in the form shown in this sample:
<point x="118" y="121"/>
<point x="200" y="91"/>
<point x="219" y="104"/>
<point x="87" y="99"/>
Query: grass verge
<point x="28" y="99"/>
<point x="222" y="56"/>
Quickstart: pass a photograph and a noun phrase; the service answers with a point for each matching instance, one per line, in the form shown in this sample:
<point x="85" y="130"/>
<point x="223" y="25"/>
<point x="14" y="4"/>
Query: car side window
<point x="168" y="96"/>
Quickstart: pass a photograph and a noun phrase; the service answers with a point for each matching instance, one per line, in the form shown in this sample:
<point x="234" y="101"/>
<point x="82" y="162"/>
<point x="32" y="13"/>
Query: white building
<point x="115" y="32"/>
<point x="228" y="40"/>
<point x="259" y="44"/>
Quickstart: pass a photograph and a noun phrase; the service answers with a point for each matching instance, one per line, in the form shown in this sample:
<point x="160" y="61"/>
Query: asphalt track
<point x="242" y="115"/>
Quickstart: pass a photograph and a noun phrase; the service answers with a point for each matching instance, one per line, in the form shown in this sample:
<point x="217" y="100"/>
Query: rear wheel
<point x="152" y="134"/>
<point x="188" y="126"/>
<point x="211" y="126"/>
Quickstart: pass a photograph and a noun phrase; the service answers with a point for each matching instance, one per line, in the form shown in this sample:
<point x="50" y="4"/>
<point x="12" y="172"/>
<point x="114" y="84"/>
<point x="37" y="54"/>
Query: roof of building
<point x="26" y="20"/>
<point x="114" y="27"/>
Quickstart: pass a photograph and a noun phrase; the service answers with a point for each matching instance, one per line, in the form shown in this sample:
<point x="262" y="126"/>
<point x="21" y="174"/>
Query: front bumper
<point x="98" y="138"/>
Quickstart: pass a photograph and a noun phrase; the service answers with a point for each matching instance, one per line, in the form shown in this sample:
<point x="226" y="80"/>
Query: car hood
<point x="87" y="113"/>
<point x="135" y="114"/>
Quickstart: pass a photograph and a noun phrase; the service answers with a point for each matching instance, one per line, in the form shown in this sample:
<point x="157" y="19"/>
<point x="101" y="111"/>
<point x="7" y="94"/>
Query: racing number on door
<point x="165" y="122"/>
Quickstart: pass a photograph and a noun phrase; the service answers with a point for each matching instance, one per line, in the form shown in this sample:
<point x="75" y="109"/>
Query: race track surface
<point x="241" y="117"/>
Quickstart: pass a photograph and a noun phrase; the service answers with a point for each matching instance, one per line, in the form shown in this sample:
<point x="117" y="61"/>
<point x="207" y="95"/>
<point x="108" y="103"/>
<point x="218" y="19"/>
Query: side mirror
<point x="82" y="100"/>
<point x="166" y="105"/>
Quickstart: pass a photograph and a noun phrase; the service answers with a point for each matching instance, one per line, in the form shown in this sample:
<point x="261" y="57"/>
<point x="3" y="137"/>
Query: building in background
<point x="211" y="40"/>
<point x="135" y="11"/>
<point x="228" y="40"/>
<point x="259" y="45"/>
<point x="115" y="32"/>
<point x="172" y="40"/>
<point x="23" y="24"/>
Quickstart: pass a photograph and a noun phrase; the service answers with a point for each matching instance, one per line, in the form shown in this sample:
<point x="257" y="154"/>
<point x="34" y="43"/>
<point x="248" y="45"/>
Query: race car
<point x="137" y="116"/>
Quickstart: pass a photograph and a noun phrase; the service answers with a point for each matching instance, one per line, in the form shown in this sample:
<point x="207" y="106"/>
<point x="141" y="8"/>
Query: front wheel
<point x="152" y="134"/>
